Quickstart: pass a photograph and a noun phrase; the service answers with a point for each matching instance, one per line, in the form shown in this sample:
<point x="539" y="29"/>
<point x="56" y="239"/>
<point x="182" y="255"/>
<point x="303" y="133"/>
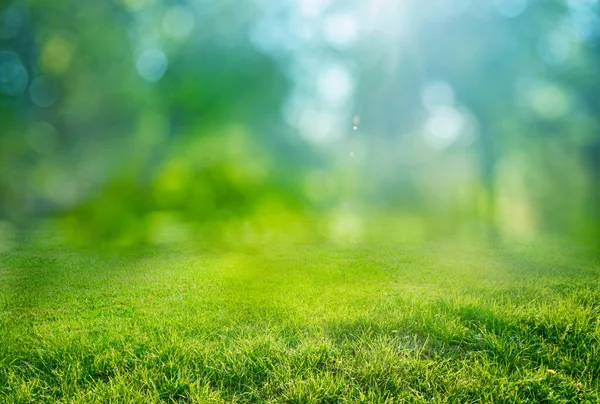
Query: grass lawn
<point x="301" y="323"/>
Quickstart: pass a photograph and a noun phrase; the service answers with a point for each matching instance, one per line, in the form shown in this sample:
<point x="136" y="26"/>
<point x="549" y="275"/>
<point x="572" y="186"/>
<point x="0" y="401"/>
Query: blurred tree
<point x="122" y="114"/>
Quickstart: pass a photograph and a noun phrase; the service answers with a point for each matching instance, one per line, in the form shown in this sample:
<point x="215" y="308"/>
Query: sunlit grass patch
<point x="367" y="322"/>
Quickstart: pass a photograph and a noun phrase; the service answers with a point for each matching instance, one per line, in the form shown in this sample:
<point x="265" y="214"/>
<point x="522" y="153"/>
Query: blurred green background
<point x="153" y="121"/>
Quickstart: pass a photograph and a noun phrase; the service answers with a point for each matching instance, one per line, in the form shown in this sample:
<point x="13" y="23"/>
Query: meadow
<point x="303" y="322"/>
<point x="306" y="201"/>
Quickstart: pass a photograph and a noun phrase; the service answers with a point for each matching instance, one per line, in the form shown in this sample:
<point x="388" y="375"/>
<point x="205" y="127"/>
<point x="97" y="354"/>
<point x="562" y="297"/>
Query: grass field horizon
<point x="300" y="322"/>
<point x="305" y="201"/>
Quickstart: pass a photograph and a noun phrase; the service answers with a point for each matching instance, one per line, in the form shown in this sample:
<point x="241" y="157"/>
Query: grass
<point x="301" y="323"/>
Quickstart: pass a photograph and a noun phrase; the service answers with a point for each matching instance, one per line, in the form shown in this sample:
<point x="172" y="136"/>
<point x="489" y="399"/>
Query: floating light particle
<point x="43" y="91"/>
<point x="335" y="84"/>
<point x="178" y="22"/>
<point x="152" y="64"/>
<point x="341" y="30"/>
<point x="13" y="75"/>
<point x="511" y="8"/>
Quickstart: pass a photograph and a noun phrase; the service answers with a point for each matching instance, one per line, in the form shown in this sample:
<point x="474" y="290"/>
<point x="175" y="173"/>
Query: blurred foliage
<point x="146" y="120"/>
